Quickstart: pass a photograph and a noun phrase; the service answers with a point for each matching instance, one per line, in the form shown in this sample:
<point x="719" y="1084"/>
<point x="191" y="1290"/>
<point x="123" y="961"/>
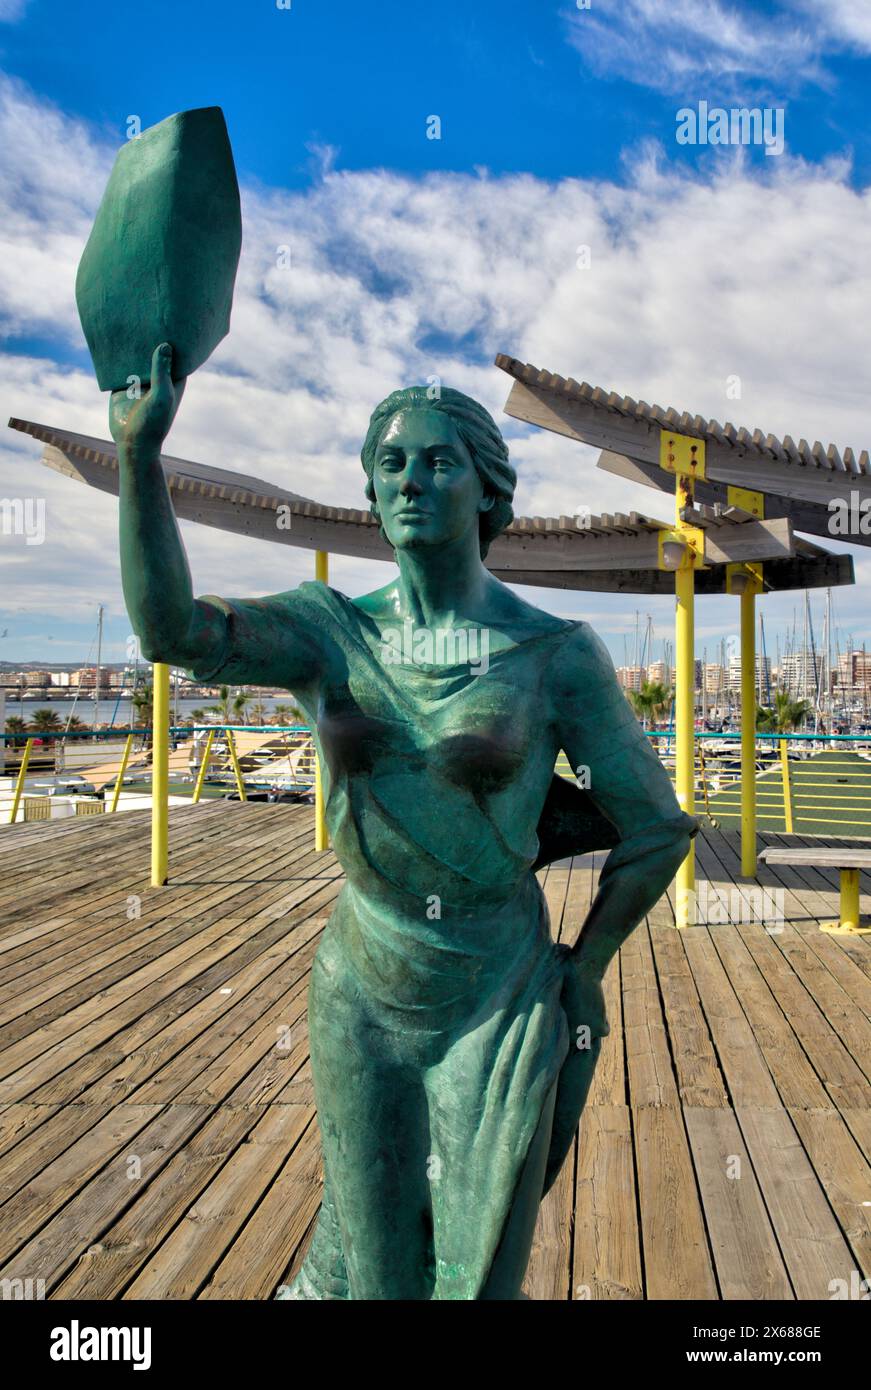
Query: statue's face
<point x="426" y="485"/>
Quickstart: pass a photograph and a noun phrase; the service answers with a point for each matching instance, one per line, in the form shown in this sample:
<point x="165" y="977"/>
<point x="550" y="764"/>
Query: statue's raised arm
<point x="244" y="640"/>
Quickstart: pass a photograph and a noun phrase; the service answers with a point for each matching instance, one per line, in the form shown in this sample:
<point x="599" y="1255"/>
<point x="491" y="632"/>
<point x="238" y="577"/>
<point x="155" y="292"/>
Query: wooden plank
<point x="548" y="1274"/>
<point x="844" y="1173"/>
<point x="185" y="1260"/>
<point x="746" y="1253"/>
<point x="704" y="1016"/>
<point x="254" y="1263"/>
<point x="825" y="857"/>
<point x="107" y="1266"/>
<point x="700" y="1080"/>
<point x="50" y="1253"/>
<point x="54" y="1184"/>
<point x="212" y="954"/>
<point x="649" y="1060"/>
<point x="812" y="1243"/>
<point x="606" y="1244"/>
<point x="677" y="1260"/>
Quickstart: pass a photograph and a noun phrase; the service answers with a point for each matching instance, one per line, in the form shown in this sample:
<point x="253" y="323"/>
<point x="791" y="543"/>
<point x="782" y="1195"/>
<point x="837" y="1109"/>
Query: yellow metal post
<point x="237" y="771"/>
<point x="746" y="581"/>
<point x="787" y="790"/>
<point x="684" y="725"/>
<point x="685" y="457"/>
<point x="19" y="784"/>
<point x="849" y="899"/>
<point x="122" y="769"/>
<point x="748" y="732"/>
<point x="201" y="775"/>
<point x="160" y="777"/>
<point x="849" y="921"/>
<point x="322" y="839"/>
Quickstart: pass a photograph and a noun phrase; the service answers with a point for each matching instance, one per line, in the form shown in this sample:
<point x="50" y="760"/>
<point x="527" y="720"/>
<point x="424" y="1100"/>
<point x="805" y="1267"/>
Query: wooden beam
<point x="738" y="463"/>
<point x="799" y="572"/>
<point x="812" y="517"/>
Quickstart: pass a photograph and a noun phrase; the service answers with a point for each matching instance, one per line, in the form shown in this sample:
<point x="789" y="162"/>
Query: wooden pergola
<point x="704" y="464"/>
<point x="720" y="543"/>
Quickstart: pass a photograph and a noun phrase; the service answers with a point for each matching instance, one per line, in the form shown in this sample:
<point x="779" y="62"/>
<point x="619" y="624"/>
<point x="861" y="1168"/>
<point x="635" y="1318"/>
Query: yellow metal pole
<point x="748" y="731"/>
<point x="322" y="839"/>
<point x="849" y="900"/>
<point x="684" y="727"/>
<point x="160" y="777"/>
<point x="234" y="759"/>
<point x="849" y="916"/>
<point x="122" y="769"/>
<point x="201" y="775"/>
<point x="787" y="790"/>
<point x="19" y="785"/>
<point x="685" y="458"/>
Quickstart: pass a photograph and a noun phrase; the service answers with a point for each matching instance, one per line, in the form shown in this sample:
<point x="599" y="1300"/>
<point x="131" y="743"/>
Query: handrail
<point x="119" y="732"/>
<point x="732" y="734"/>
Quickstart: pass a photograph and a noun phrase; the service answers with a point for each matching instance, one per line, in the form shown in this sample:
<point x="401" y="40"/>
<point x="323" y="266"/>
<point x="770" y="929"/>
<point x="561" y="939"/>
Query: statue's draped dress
<point x="437" y="1034"/>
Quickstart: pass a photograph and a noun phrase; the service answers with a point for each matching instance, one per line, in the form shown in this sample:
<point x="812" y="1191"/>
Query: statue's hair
<point x="481" y="436"/>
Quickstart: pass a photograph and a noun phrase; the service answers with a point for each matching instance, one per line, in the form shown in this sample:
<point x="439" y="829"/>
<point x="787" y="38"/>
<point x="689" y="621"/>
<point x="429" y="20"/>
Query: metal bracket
<point x="752" y="569"/>
<point x="692" y="537"/>
<point x="681" y="454"/>
<point x="748" y="501"/>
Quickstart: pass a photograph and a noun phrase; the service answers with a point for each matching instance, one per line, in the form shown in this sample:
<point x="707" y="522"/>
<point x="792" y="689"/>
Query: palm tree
<point x="142" y="700"/>
<point x="287" y="714"/>
<point x="783" y="716"/>
<point x="74" y="724"/>
<point x="258" y="711"/>
<point x="223" y="706"/>
<point x="43" y="722"/>
<point x="240" y="704"/>
<point x="16" y="725"/>
<point x="652" y="701"/>
<point x="198" y="716"/>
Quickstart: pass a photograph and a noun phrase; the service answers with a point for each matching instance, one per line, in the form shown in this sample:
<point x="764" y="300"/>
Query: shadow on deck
<point x="158" y="1137"/>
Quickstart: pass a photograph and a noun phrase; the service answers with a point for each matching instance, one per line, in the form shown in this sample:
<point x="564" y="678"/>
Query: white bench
<point x="849" y="863"/>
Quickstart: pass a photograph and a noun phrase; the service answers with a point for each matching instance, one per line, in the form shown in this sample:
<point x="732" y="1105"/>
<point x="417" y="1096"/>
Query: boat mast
<point x="99" y="662"/>
<point x="766" y="669"/>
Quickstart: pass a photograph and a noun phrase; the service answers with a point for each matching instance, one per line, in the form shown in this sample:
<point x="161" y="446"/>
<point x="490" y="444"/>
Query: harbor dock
<point x="158" y="1134"/>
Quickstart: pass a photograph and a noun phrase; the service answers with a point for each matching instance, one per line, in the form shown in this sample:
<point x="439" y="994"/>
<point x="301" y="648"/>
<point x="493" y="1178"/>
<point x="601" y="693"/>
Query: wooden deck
<point x="157" y="1132"/>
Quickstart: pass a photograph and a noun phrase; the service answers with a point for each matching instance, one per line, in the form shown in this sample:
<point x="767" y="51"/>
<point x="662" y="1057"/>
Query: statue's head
<point x="436" y="468"/>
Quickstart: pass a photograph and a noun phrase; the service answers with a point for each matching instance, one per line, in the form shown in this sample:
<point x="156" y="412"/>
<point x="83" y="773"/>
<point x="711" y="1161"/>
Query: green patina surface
<point x="161" y="258"/>
<point x="452" y="1041"/>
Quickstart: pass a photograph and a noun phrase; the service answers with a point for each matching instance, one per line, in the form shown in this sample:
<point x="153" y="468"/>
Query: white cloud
<point x="12" y="10"/>
<point x="696" y="46"/>
<point x="844" y="22"/>
<point x="694" y="279"/>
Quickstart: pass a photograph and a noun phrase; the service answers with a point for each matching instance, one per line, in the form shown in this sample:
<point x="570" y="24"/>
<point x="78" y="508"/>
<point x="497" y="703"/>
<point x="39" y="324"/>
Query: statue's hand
<point x="143" y="420"/>
<point x="583" y="1001"/>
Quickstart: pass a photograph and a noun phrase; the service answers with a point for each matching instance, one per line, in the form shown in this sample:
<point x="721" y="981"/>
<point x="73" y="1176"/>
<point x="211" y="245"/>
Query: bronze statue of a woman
<point x="452" y="1041"/>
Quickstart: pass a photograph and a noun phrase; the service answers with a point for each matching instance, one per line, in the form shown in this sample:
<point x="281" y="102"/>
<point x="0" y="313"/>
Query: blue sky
<point x="519" y="84"/>
<point x="413" y="254"/>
